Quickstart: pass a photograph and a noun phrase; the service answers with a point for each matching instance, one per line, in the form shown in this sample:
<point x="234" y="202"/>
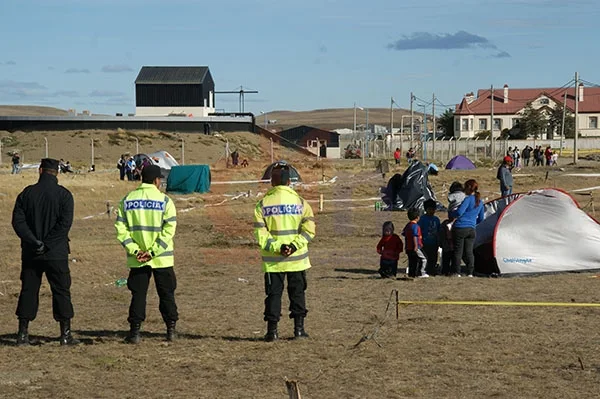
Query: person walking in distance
<point x="16" y="161"/>
<point x="283" y="226"/>
<point x="42" y="218"/>
<point x="505" y="176"/>
<point x="146" y="223"/>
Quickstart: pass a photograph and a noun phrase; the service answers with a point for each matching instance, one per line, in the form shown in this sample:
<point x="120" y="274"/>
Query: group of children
<point x="424" y="235"/>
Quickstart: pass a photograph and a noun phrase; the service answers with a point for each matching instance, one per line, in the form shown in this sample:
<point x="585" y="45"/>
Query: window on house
<point x="457" y="125"/>
<point x="465" y="124"/>
<point x="593" y="122"/>
<point x="497" y="124"/>
<point x="544" y="101"/>
<point x="515" y="122"/>
<point x="482" y="124"/>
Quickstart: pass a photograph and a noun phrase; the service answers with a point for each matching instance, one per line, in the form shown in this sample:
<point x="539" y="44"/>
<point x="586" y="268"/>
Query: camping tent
<point x="408" y="190"/>
<point x="294" y="175"/>
<point x="187" y="179"/>
<point x="460" y="162"/>
<point x="536" y="232"/>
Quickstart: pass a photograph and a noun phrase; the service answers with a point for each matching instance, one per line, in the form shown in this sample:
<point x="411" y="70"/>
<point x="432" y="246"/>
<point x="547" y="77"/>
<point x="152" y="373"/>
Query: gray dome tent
<point x="294" y="175"/>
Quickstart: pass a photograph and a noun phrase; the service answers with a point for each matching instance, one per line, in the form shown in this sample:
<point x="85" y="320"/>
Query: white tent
<point x="163" y="159"/>
<point x="537" y="232"/>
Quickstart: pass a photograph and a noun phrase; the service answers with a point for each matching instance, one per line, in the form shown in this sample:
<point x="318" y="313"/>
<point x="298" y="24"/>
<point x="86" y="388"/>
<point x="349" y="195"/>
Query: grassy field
<point x="357" y="349"/>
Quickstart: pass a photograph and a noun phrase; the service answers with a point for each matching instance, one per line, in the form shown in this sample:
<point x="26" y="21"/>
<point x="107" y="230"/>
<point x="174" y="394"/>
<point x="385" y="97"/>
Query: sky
<point x="298" y="55"/>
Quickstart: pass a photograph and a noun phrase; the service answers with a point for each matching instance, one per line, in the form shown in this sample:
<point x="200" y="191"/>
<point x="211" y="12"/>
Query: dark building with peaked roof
<point x="318" y="141"/>
<point x="174" y="90"/>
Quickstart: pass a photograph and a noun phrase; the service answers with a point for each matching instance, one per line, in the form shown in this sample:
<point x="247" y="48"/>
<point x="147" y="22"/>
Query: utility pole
<point x="575" y="152"/>
<point x="492" y="123"/>
<point x="562" y="133"/>
<point x="391" y="125"/>
<point x="434" y="127"/>
<point x="412" y="120"/>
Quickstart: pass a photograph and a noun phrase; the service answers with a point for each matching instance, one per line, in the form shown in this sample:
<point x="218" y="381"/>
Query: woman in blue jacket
<point x="467" y="216"/>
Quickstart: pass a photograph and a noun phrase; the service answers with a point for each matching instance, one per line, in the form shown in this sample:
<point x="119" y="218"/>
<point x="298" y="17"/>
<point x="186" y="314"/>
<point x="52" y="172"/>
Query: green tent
<point x="185" y="179"/>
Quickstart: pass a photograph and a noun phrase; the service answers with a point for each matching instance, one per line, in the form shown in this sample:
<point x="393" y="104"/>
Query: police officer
<point x="283" y="226"/>
<point x="145" y="225"/>
<point x="42" y="218"/>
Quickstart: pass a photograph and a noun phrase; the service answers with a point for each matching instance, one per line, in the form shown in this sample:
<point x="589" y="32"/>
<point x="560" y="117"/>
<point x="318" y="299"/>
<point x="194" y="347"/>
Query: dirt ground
<point x="357" y="349"/>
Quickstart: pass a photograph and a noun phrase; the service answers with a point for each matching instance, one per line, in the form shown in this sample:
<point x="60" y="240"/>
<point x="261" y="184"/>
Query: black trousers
<point x="463" y="239"/>
<point x="59" y="278"/>
<point x="431" y="253"/>
<point x="388" y="267"/>
<point x="166" y="283"/>
<point x="296" y="288"/>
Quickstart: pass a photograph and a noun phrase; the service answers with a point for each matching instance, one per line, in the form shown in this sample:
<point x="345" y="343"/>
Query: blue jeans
<point x="506" y="191"/>
<point x="15" y="168"/>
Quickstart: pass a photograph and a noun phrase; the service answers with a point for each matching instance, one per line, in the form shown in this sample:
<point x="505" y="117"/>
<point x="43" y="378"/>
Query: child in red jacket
<point x="389" y="247"/>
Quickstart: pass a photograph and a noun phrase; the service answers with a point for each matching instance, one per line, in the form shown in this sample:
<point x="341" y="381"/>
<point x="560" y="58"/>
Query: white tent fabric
<point x="163" y="159"/>
<point x="538" y="232"/>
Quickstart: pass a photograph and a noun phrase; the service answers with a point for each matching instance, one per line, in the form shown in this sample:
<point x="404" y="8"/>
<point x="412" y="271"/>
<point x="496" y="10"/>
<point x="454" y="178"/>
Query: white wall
<point x="165" y="111"/>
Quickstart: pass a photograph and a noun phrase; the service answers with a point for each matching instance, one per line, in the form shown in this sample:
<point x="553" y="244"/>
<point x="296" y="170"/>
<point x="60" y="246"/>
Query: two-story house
<point x="473" y="114"/>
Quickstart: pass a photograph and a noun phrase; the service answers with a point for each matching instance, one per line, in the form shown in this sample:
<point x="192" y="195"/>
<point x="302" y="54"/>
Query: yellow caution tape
<point x="500" y="303"/>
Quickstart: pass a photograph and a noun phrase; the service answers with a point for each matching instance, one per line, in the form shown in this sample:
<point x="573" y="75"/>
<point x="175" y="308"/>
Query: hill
<point x="332" y="118"/>
<point x="30" y="110"/>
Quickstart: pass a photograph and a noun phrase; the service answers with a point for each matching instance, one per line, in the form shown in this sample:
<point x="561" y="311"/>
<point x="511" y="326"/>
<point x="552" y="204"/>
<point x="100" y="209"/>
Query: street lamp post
<point x="92" y="152"/>
<point x="46" y="145"/>
<point x="137" y="145"/>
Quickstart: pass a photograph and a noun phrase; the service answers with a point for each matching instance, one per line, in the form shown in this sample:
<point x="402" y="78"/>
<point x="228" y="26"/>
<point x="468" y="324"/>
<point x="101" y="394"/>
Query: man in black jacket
<point x="42" y="218"/>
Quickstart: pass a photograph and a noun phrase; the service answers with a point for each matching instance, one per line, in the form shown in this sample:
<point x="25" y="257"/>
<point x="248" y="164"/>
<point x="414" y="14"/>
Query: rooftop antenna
<point x="241" y="92"/>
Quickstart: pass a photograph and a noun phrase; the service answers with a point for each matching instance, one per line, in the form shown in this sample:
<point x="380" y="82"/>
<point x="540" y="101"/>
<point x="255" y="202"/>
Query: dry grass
<point x="430" y="352"/>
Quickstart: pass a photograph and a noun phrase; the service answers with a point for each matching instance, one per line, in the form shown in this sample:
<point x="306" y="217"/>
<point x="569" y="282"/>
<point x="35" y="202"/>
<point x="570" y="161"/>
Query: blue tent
<point x="185" y="179"/>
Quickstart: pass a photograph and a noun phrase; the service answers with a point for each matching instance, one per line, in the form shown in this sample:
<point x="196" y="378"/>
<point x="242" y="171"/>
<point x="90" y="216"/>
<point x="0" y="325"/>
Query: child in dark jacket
<point x="447" y="245"/>
<point x="389" y="247"/>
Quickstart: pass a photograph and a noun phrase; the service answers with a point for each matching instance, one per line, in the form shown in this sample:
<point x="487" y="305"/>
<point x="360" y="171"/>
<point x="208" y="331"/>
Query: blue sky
<point x="299" y="55"/>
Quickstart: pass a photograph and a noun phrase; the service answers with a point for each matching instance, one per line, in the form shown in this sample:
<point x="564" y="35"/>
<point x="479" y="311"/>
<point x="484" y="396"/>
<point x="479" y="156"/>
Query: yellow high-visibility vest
<point x="146" y="221"/>
<point x="283" y="217"/>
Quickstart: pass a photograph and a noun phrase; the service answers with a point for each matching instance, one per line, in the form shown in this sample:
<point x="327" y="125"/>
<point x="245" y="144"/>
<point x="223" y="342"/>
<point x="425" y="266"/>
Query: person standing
<point x="283" y="226"/>
<point x="430" y="228"/>
<point x="42" y="218"/>
<point x="526" y="155"/>
<point x="121" y="164"/>
<point x="468" y="215"/>
<point x="145" y="225"/>
<point x="16" y="160"/>
<point x="505" y="176"/>
<point x="397" y="155"/>
<point x="417" y="262"/>
<point x="389" y="247"/>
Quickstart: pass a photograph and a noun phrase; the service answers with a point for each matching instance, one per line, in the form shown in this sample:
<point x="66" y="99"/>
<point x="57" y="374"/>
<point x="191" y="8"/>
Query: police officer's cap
<point x="49" y="163"/>
<point x="151" y="172"/>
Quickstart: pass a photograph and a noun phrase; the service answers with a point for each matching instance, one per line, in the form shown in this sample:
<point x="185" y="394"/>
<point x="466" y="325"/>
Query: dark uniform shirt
<point x="44" y="212"/>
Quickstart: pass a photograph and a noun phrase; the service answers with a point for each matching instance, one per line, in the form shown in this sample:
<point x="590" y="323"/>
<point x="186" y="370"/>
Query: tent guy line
<point x="501" y="303"/>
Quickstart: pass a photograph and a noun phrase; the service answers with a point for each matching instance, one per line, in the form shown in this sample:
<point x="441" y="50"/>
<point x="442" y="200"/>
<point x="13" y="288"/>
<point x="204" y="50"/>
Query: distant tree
<point x="505" y="134"/>
<point x="446" y="122"/>
<point x="556" y="120"/>
<point x="531" y="124"/>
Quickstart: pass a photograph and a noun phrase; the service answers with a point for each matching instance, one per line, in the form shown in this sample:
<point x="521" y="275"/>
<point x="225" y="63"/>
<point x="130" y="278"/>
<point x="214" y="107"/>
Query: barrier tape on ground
<point x="501" y="303"/>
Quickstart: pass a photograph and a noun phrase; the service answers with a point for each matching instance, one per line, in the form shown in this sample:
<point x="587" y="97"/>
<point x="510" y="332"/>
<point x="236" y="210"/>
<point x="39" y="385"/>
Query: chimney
<point x="470" y="97"/>
<point x="580" y="92"/>
<point x="505" y="94"/>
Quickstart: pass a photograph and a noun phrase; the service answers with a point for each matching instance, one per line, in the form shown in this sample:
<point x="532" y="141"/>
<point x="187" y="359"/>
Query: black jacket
<point x="44" y="212"/>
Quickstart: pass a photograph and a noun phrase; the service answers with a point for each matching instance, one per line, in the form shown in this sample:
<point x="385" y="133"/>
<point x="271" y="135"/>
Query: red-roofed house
<point x="473" y="115"/>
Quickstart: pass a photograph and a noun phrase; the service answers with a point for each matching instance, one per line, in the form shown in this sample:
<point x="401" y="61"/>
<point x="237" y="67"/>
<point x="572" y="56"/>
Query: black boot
<point x="65" y="334"/>
<point x="271" y="334"/>
<point x="171" y="334"/>
<point x="299" y="328"/>
<point x="134" y="336"/>
<point x="23" y="335"/>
